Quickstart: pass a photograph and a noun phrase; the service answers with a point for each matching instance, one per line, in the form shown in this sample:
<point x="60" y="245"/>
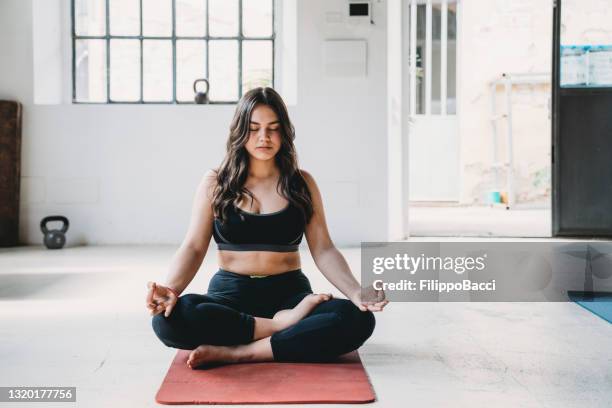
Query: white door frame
<point x="427" y="130"/>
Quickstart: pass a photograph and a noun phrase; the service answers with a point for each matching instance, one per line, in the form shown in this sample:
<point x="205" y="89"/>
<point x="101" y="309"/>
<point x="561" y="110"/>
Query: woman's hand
<point x="160" y="298"/>
<point x="369" y="299"/>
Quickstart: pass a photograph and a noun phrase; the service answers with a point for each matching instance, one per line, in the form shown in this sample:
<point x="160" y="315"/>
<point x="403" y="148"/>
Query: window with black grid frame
<point x="152" y="51"/>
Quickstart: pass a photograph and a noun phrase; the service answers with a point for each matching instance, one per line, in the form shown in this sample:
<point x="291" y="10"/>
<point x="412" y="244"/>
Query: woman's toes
<point x="191" y="359"/>
<point x="192" y="356"/>
<point x="196" y="357"/>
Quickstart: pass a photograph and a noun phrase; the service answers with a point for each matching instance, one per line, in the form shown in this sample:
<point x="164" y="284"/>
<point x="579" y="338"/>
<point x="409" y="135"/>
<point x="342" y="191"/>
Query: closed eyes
<point x="270" y="129"/>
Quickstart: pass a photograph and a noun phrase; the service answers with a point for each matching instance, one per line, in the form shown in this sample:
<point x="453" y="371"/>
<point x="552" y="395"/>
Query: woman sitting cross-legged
<point x="259" y="305"/>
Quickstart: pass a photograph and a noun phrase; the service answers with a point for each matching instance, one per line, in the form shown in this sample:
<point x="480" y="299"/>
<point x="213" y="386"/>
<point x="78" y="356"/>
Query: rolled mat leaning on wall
<point x="10" y="165"/>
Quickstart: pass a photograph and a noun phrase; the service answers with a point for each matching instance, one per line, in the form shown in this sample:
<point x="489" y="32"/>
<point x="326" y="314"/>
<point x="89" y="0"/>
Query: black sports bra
<point x="280" y="231"/>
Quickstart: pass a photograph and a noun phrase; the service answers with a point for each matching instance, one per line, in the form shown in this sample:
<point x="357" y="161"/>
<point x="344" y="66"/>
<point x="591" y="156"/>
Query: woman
<point x="259" y="306"/>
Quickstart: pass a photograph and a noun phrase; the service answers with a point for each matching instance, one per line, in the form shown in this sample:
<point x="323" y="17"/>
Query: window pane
<point x="90" y="17"/>
<point x="256" y="64"/>
<point x="90" y="70"/>
<point x="420" y="62"/>
<point x="451" y="71"/>
<point x="157" y="18"/>
<point x="223" y="56"/>
<point x="191" y="18"/>
<point x="223" y="18"/>
<point x="436" y="58"/>
<point x="190" y="65"/>
<point x="157" y="70"/>
<point x="257" y="18"/>
<point x="125" y="70"/>
<point x="585" y="22"/>
<point x="585" y="44"/>
<point x="124" y="17"/>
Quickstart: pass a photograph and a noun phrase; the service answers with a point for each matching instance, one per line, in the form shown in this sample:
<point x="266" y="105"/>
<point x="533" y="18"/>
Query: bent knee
<point x="189" y="298"/>
<point x="167" y="334"/>
<point x="366" y="323"/>
<point x="361" y="322"/>
<point x="161" y="327"/>
<point x="361" y="327"/>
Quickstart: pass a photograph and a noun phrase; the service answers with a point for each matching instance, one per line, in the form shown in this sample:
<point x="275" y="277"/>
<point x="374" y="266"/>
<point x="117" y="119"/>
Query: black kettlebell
<point x="201" y="98"/>
<point x="54" y="239"/>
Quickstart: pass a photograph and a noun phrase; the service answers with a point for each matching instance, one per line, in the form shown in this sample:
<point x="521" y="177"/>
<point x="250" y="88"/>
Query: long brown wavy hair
<point x="232" y="174"/>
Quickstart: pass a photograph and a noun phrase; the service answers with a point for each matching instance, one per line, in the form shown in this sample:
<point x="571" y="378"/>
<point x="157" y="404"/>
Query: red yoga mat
<point x="343" y="380"/>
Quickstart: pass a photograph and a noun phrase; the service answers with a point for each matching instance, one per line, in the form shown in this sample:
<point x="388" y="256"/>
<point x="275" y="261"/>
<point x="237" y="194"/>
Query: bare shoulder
<point x="310" y="181"/>
<point x="210" y="177"/>
<point x="318" y="218"/>
<point x="208" y="182"/>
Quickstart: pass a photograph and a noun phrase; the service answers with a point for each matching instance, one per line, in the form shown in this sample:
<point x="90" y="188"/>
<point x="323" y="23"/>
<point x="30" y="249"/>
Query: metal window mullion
<point x="141" y="58"/>
<point x="161" y="37"/>
<point x="239" y="48"/>
<point x="90" y="37"/>
<point x="108" y="51"/>
<point x="428" y="53"/>
<point x="174" y="51"/>
<point x="443" y="57"/>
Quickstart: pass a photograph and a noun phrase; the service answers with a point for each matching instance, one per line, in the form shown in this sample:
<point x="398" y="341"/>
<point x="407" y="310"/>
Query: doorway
<point x="476" y="167"/>
<point x="433" y="141"/>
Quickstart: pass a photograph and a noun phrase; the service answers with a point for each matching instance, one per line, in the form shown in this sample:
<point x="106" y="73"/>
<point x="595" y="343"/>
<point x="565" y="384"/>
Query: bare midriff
<point x="259" y="262"/>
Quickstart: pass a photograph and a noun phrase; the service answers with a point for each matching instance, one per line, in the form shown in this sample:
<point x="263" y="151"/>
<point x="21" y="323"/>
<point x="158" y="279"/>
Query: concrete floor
<point x="76" y="317"/>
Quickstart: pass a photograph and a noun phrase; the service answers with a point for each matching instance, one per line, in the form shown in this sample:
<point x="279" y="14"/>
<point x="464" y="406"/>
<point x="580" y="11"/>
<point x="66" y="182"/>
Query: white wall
<point x="127" y="174"/>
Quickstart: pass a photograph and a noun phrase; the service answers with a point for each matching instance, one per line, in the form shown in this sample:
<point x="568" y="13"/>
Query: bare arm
<point x="191" y="253"/>
<point x="327" y="257"/>
<point x="325" y="254"/>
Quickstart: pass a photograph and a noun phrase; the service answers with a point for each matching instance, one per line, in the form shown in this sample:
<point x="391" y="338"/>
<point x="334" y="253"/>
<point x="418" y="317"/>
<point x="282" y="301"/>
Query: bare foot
<point x="207" y="353"/>
<point x="289" y="317"/>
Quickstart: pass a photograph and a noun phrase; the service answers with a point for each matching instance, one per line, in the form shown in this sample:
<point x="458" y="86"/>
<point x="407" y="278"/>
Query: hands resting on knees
<point x="163" y="299"/>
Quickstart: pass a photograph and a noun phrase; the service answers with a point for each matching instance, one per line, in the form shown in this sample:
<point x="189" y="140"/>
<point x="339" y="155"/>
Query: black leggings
<point x="224" y="316"/>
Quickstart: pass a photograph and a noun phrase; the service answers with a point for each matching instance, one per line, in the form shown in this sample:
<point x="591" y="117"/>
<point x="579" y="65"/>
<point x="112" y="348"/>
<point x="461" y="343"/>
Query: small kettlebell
<point x="54" y="239"/>
<point x="201" y="98"/>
